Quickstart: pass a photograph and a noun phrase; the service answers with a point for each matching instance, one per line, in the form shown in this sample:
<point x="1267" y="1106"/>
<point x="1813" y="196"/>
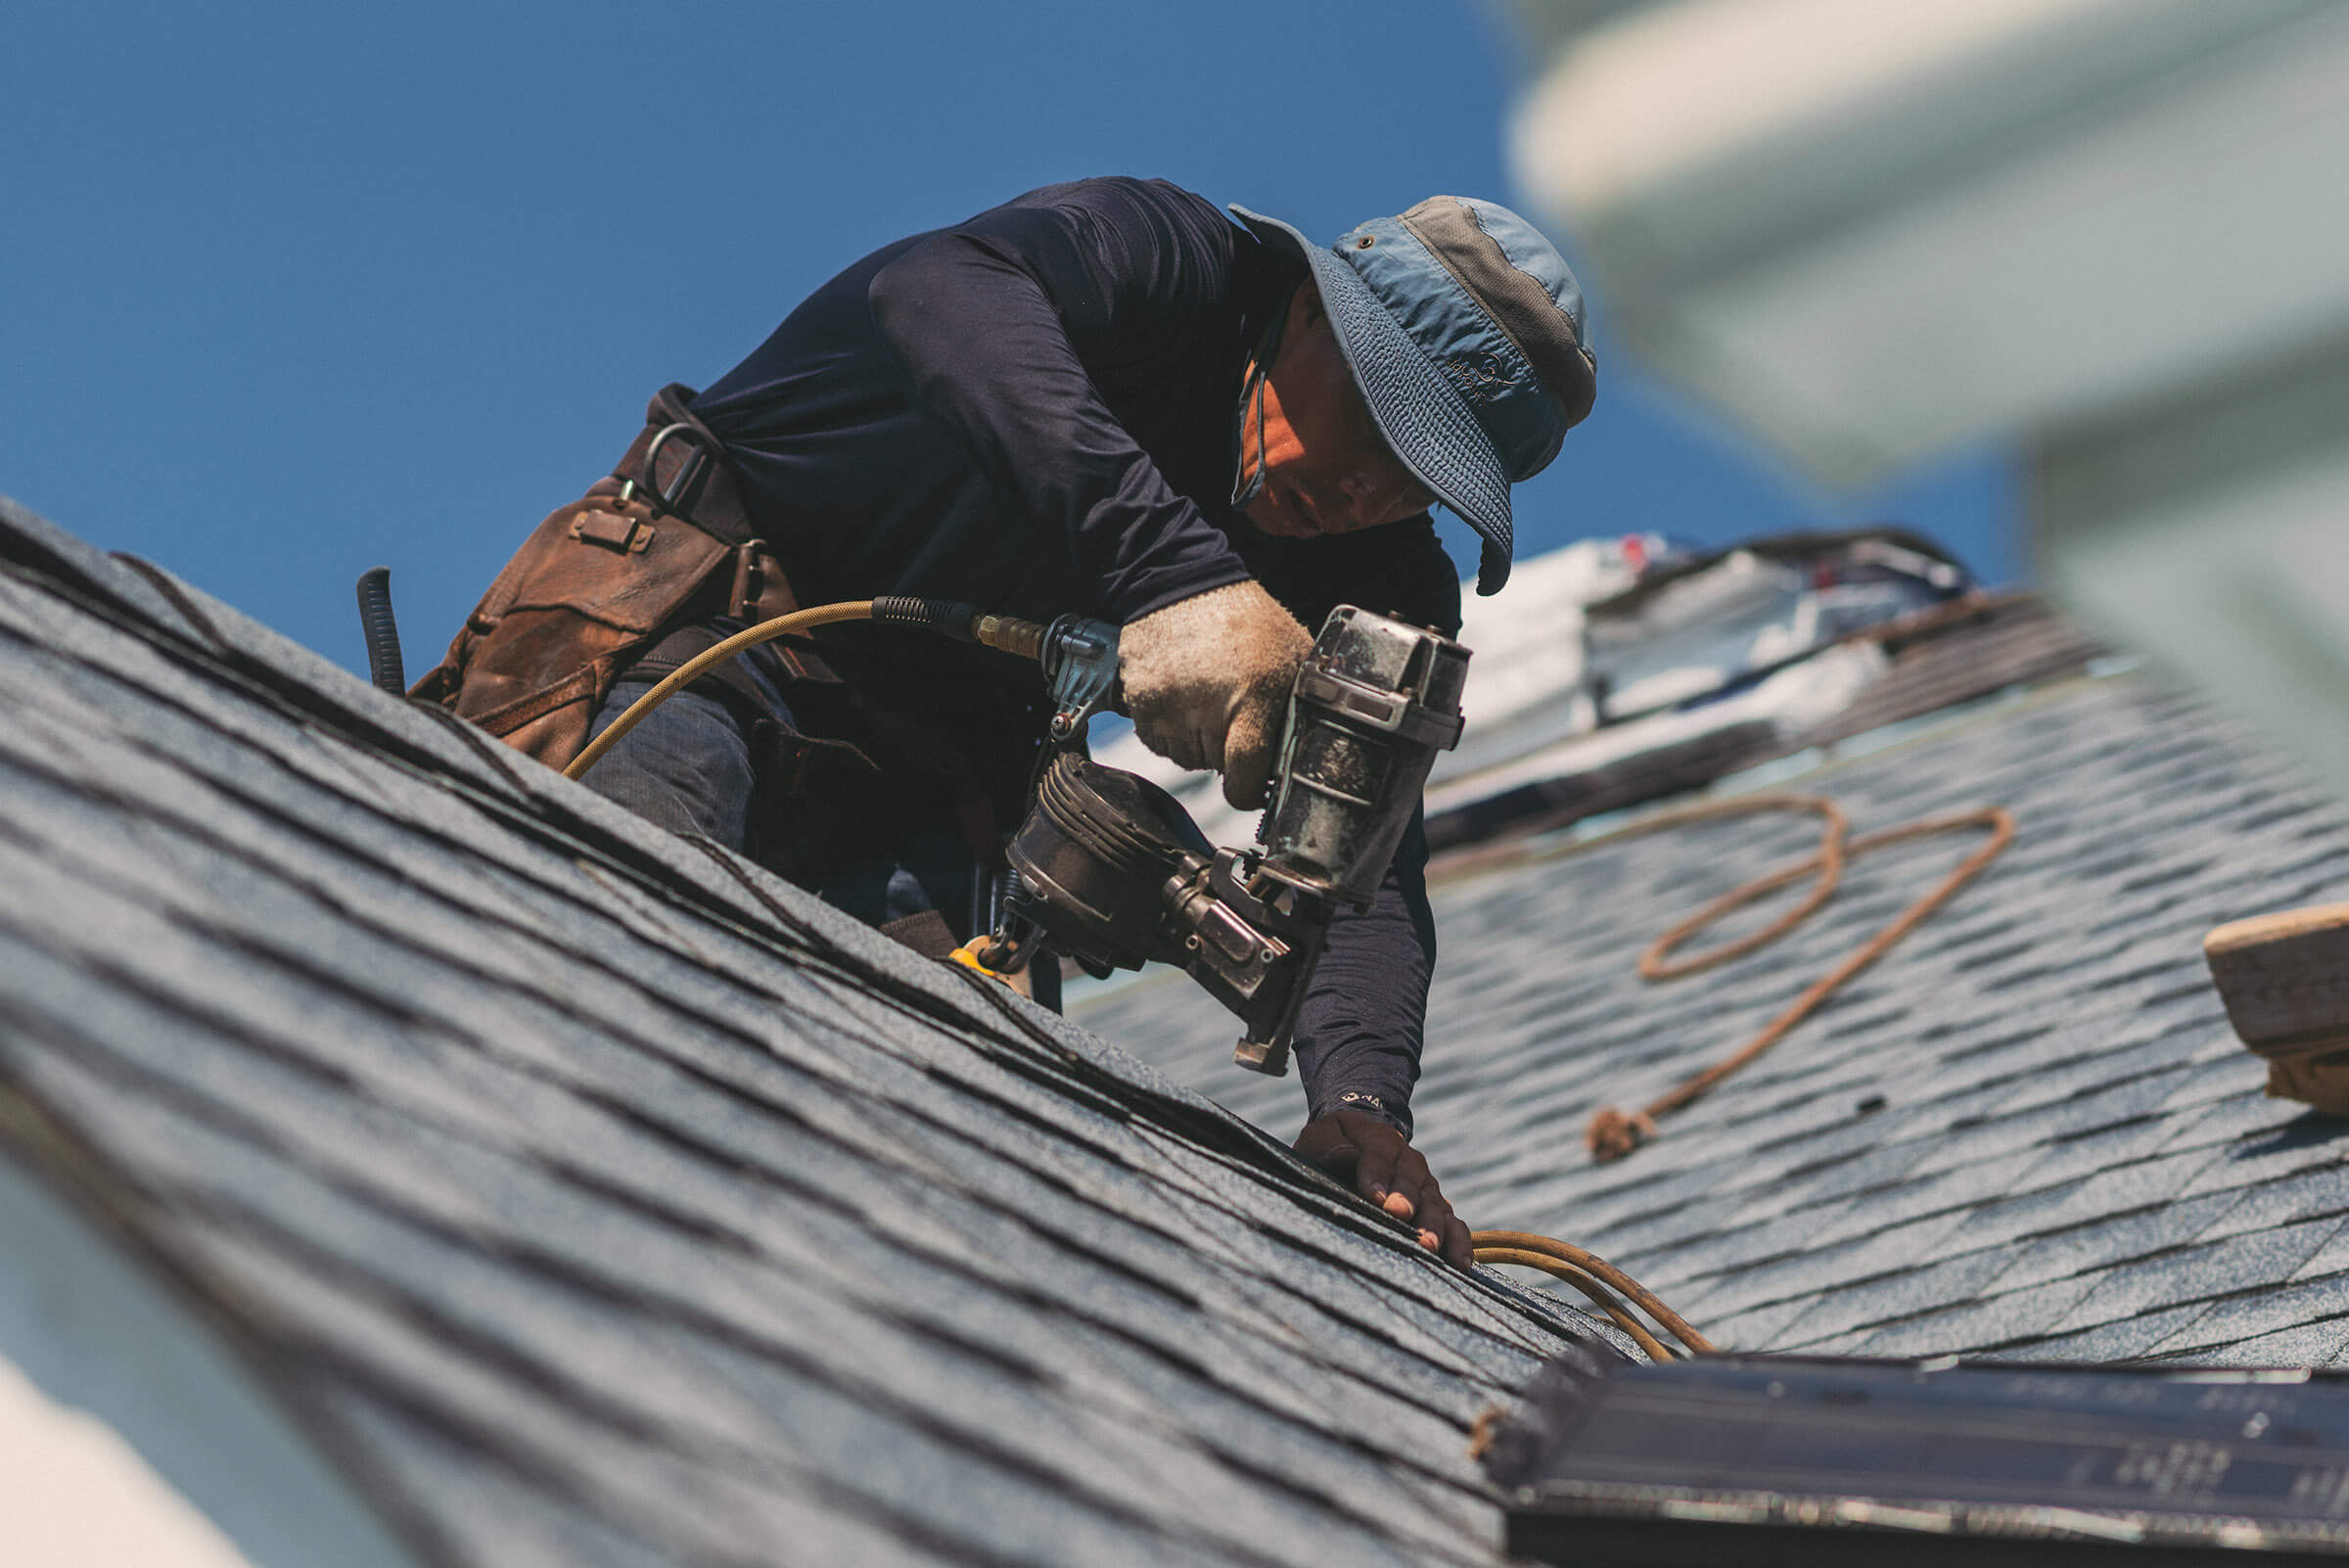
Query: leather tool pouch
<point x="599" y="581"/>
<point x="626" y="581"/>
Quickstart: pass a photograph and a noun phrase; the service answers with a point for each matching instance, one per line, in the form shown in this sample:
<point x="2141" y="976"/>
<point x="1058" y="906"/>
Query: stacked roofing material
<point x="1617" y="670"/>
<point x="2026" y="1133"/>
<point x="425" y="1161"/>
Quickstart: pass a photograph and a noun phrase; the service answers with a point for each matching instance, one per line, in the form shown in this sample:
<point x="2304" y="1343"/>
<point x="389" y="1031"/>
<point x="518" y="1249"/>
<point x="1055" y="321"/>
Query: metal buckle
<point x="629" y="539"/>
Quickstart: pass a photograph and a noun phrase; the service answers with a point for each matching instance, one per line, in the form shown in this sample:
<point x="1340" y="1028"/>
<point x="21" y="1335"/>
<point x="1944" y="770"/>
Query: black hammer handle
<point x="383" y="665"/>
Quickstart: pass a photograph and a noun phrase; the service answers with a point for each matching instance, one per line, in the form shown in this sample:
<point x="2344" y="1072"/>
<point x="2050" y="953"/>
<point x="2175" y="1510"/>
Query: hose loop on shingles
<point x="1597" y="1278"/>
<point x="1612" y="1134"/>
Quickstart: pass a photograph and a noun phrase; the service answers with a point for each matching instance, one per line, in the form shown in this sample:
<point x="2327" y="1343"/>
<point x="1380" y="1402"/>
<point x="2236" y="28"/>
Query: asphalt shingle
<point x="2026" y="1131"/>
<point x="592" y="1198"/>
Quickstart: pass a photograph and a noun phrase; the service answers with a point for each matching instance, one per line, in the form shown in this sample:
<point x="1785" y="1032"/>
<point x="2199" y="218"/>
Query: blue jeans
<point x="689" y="768"/>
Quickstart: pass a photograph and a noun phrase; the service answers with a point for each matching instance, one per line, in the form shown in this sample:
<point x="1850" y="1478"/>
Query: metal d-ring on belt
<point x="669" y="498"/>
<point x="756" y="567"/>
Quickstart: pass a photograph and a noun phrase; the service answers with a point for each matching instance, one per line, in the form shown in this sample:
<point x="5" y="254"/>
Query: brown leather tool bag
<point x="627" y="580"/>
<point x="598" y="583"/>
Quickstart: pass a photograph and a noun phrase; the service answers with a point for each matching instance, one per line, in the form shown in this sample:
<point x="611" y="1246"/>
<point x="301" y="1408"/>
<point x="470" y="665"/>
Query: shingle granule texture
<point x="2027" y="1133"/>
<point x="592" y="1198"/>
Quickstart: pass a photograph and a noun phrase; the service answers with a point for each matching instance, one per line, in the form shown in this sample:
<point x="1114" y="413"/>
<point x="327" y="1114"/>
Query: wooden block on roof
<point x="2285" y="979"/>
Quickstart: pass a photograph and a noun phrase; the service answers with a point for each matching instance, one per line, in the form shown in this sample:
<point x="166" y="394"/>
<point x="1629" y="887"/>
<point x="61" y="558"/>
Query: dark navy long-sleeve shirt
<point x="1033" y="410"/>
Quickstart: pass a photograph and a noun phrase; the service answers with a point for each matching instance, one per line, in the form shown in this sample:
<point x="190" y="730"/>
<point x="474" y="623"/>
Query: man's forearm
<point x="1359" y="1033"/>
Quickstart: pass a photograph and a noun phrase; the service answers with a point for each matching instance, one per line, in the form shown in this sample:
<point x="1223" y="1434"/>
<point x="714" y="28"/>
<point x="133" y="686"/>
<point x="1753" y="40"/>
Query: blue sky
<point x="294" y="290"/>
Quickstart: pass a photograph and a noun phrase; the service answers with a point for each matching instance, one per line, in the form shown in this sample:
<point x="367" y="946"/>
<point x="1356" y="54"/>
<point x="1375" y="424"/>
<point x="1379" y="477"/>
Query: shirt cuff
<point x="1368" y="1104"/>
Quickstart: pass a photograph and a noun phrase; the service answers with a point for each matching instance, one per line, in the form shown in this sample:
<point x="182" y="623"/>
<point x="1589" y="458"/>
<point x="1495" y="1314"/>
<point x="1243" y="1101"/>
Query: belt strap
<point x="678" y="467"/>
<point x="666" y="657"/>
<point x="673" y="652"/>
<point x="925" y="931"/>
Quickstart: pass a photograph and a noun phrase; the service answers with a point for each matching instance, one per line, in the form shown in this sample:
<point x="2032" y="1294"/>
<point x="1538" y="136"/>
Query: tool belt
<point x="627" y="581"/>
<point x="598" y="586"/>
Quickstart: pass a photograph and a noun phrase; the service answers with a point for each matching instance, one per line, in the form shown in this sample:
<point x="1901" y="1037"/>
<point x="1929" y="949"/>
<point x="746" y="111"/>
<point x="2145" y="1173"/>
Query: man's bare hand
<point x="1357" y="1147"/>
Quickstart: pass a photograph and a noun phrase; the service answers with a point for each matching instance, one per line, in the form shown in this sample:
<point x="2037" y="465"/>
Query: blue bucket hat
<point x="1463" y="328"/>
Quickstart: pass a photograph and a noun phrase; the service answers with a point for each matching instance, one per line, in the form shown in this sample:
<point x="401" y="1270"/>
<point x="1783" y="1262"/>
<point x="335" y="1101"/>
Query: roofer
<point x="1102" y="397"/>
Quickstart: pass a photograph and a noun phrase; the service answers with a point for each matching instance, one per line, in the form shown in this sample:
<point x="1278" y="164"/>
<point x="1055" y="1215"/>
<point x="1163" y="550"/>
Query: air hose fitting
<point x="964" y="622"/>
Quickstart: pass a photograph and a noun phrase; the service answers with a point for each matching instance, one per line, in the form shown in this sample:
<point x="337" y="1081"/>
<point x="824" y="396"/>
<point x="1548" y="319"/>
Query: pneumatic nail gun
<point x="1112" y="871"/>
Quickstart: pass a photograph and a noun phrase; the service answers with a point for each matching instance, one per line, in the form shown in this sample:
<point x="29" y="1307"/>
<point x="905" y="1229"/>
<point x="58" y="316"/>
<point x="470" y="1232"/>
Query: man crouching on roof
<point x="1102" y="397"/>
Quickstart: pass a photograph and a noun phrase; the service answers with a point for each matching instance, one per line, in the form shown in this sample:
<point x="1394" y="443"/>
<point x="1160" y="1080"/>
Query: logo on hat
<point x="1478" y="376"/>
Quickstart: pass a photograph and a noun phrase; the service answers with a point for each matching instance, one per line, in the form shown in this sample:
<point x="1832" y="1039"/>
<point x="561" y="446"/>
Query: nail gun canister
<point x="1378" y="699"/>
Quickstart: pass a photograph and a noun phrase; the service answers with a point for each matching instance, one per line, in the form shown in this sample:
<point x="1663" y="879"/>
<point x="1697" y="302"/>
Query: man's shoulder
<point x="1129" y="195"/>
<point x="1143" y="217"/>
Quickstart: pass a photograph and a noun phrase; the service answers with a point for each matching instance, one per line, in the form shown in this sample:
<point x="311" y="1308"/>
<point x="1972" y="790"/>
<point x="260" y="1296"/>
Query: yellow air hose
<point x="701" y="664"/>
<point x="963" y="622"/>
<point x="1591" y="1274"/>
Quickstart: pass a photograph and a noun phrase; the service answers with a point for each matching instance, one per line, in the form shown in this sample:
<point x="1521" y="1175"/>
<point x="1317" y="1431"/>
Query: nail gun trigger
<point x="1228" y="879"/>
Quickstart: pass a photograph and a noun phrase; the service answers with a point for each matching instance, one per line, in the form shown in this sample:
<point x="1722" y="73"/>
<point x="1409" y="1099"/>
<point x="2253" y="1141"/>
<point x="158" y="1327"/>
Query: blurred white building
<point x="2116" y="232"/>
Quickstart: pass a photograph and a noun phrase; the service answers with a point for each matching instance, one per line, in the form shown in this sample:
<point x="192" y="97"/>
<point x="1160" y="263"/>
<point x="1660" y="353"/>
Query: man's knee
<point x="686" y="767"/>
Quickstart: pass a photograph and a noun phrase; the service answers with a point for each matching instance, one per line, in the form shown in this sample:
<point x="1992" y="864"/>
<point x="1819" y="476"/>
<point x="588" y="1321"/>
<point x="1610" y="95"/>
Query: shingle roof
<point x="589" y="1198"/>
<point x="2026" y="1133"/>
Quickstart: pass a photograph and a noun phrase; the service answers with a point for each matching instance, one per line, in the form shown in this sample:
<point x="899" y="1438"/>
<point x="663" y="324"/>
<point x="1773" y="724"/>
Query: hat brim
<point x="1423" y="418"/>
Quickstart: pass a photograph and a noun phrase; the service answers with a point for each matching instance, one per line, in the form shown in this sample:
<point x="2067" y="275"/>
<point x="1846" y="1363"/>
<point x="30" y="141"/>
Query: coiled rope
<point x="1612" y="1134"/>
